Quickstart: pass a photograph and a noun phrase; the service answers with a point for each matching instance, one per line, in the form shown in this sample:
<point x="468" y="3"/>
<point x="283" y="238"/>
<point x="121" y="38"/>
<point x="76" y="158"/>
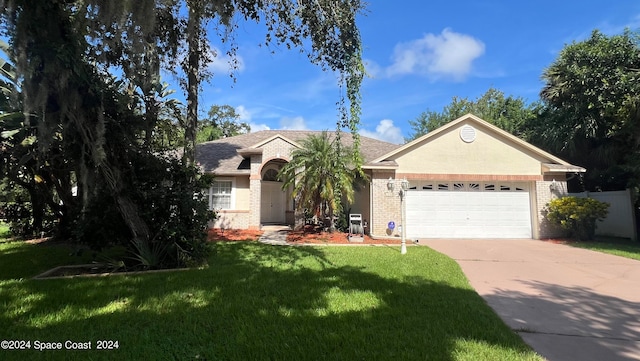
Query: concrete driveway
<point x="566" y="303"/>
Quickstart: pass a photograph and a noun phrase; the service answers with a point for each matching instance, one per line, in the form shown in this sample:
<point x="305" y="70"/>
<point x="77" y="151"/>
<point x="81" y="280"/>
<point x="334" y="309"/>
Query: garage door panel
<point x="468" y="214"/>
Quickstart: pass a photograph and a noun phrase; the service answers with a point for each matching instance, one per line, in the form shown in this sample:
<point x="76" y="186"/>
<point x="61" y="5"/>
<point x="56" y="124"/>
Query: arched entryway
<point x="273" y="204"/>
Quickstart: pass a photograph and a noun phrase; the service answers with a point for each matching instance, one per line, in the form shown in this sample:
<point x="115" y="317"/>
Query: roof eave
<point x="249" y="151"/>
<point x="380" y="167"/>
<point x="561" y="168"/>
<point x="230" y="174"/>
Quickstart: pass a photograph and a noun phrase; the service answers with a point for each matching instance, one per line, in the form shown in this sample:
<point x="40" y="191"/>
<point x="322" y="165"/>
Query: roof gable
<point x="493" y="146"/>
<point x="263" y="142"/>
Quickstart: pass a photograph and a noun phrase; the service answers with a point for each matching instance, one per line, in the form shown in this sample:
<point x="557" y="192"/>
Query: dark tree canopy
<point x="222" y="121"/>
<point x="509" y="113"/>
<point x="592" y="108"/>
<point x="81" y="125"/>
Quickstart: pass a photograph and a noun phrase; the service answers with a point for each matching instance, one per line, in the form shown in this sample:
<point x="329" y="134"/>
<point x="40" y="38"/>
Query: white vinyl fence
<point x="621" y="220"/>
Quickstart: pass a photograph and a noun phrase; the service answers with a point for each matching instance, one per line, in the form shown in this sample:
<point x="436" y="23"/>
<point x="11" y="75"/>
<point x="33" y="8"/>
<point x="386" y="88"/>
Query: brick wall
<point x="231" y="220"/>
<point x="277" y="149"/>
<point x="255" y="192"/>
<point x="545" y="191"/>
<point x="386" y="204"/>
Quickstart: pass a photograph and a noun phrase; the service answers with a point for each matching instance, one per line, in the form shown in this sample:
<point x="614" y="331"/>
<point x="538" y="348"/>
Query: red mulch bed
<point x="315" y="235"/>
<point x="308" y="235"/>
<point x="222" y="235"/>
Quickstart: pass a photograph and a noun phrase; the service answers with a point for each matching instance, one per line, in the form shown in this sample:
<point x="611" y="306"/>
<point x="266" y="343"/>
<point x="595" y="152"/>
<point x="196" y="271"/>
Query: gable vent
<point x="467" y="134"/>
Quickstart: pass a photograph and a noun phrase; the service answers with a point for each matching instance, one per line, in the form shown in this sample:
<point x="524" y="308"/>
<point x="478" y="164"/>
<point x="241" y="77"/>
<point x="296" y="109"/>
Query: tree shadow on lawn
<point x="609" y="325"/>
<point x="254" y="303"/>
<point x="18" y="259"/>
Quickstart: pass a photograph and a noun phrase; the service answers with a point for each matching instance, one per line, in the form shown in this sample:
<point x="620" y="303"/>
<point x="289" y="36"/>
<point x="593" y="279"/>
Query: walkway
<point x="275" y="235"/>
<point x="565" y="302"/>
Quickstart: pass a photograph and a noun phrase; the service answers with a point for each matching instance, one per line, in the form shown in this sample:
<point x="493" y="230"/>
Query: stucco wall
<point x="362" y="204"/>
<point x="489" y="153"/>
<point x="242" y="193"/>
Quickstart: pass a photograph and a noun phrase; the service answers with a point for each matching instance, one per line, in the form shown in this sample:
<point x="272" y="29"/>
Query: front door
<point x="272" y="207"/>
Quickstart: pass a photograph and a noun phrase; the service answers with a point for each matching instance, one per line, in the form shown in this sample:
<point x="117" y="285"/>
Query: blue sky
<point x="419" y="55"/>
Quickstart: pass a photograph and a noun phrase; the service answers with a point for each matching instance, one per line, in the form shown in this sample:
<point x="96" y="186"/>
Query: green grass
<point x="260" y="302"/>
<point x="4" y="230"/>
<point x="22" y="260"/>
<point x="615" y="246"/>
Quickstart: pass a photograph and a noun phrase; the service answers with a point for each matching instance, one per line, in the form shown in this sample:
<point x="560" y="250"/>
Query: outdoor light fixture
<point x="390" y="184"/>
<point x="405" y="185"/>
<point x="554" y="185"/>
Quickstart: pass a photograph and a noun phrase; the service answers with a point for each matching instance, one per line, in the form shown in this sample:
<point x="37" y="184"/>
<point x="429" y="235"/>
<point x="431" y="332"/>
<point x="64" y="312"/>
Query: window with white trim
<point x="220" y="195"/>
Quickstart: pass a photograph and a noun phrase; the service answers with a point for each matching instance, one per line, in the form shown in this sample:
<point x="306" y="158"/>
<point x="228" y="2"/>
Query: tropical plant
<point x="149" y="254"/>
<point x="321" y="175"/>
<point x="591" y="113"/>
<point x="577" y="215"/>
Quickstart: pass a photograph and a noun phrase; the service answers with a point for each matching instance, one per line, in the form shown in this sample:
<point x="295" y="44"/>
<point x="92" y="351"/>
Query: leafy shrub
<point x="22" y="222"/>
<point x="169" y="200"/>
<point x="150" y="254"/>
<point x="17" y="209"/>
<point x="577" y="215"/>
<point x="342" y="220"/>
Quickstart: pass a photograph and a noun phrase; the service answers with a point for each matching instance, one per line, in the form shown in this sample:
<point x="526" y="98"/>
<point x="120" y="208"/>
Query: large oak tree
<point x="91" y="90"/>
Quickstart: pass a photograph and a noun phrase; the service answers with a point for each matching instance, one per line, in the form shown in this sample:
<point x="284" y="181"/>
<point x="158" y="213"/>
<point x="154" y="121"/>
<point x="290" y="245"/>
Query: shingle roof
<point x="221" y="156"/>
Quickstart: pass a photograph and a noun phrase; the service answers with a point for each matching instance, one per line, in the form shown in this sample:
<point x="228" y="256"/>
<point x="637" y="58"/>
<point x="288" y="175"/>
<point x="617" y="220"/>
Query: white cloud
<point x="258" y="127"/>
<point x="246" y="115"/>
<point x="296" y="123"/>
<point x="448" y="54"/>
<point x="372" y="68"/>
<point x="243" y="113"/>
<point x="386" y="131"/>
<point x="222" y="62"/>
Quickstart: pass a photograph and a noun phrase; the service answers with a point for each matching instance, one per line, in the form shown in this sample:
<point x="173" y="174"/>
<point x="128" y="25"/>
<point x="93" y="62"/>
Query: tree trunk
<point x="194" y="28"/>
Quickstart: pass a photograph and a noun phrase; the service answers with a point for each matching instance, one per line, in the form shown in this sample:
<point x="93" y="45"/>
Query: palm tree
<point x="321" y="176"/>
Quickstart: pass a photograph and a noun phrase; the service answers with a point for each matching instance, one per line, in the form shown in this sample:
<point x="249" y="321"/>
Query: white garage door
<point x="468" y="210"/>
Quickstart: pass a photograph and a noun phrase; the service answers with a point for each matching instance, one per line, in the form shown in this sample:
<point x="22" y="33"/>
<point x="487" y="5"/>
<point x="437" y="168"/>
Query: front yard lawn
<point x="616" y="246"/>
<point x="259" y="302"/>
<point x="4" y="230"/>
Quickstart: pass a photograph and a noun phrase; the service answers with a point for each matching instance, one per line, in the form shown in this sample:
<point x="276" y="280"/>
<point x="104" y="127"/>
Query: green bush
<point x="577" y="215"/>
<point x="169" y="201"/>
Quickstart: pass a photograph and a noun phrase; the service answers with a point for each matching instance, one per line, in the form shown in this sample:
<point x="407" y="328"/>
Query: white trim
<point x="232" y="199"/>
